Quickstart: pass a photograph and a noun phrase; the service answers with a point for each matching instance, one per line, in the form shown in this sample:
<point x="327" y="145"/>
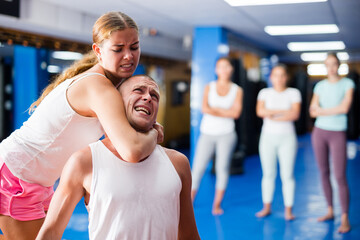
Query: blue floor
<point x="243" y="200"/>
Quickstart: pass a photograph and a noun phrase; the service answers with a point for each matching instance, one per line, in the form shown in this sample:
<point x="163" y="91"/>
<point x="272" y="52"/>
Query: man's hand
<point x="160" y="129"/>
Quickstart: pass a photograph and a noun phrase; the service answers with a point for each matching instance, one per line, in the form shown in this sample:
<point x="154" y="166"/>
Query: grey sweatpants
<point x="224" y="146"/>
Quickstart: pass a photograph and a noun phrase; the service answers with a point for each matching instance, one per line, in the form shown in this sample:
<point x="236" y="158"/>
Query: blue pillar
<point x="30" y="77"/>
<point x="209" y="44"/>
<point x="140" y="70"/>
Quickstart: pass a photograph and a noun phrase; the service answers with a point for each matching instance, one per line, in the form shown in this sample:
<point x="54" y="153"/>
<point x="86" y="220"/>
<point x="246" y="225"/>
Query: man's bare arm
<point x="67" y="195"/>
<point x="187" y="224"/>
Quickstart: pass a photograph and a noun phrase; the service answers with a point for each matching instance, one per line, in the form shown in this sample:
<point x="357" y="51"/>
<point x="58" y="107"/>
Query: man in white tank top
<point x="150" y="199"/>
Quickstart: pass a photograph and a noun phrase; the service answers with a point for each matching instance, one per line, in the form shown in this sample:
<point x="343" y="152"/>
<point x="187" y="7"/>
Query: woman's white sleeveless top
<point x="38" y="151"/>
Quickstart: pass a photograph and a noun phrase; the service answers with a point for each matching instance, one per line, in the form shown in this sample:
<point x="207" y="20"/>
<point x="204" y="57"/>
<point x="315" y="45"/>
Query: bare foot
<point x="327" y="217"/>
<point x="266" y="211"/>
<point x="193" y="195"/>
<point x="345" y="224"/>
<point x="219" y="195"/>
<point x="289" y="216"/>
<point x="217" y="211"/>
<point x="263" y="213"/>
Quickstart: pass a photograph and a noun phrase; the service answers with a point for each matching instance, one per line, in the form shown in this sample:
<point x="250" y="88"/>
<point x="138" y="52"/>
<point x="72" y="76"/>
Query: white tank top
<point x="214" y="125"/>
<point x="38" y="151"/>
<point x="133" y="200"/>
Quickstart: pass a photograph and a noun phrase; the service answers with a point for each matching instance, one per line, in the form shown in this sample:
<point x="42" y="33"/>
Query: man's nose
<point x="147" y="97"/>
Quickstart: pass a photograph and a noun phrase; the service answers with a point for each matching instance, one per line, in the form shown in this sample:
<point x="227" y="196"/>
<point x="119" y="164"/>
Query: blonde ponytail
<point x="80" y="66"/>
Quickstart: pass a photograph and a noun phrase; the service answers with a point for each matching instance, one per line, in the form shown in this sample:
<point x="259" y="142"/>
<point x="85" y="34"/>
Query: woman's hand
<point x="315" y="111"/>
<point x="160" y="129"/>
<point x="275" y="116"/>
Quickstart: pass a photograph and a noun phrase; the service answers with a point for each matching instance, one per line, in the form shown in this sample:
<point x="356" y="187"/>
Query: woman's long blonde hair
<point x="102" y="30"/>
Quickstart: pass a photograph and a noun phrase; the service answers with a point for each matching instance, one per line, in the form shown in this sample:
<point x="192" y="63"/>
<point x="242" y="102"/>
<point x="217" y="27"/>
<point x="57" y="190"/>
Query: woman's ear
<point x="97" y="51"/>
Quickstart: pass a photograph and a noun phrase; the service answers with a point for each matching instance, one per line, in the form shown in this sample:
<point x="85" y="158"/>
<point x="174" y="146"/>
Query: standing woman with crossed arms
<point x="330" y="103"/>
<point x="76" y="109"/>
<point x="222" y="103"/>
<point x="279" y="106"/>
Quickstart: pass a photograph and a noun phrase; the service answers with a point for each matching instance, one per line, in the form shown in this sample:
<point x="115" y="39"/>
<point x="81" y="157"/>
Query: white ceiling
<point x="176" y="19"/>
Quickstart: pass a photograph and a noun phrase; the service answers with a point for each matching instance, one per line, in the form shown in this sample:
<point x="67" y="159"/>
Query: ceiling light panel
<point x="67" y="55"/>
<point x="316" y="46"/>
<point x="301" y="29"/>
<point x="237" y="3"/>
<point x="321" y="56"/>
<point x="318" y="69"/>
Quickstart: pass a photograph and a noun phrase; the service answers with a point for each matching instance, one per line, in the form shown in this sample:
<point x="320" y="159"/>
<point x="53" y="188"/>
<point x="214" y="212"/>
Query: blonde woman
<point x="74" y="111"/>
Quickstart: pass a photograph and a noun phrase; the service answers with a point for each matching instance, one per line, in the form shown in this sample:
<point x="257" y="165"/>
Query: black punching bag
<point x="353" y="114"/>
<point x="300" y="82"/>
<point x="6" y="97"/>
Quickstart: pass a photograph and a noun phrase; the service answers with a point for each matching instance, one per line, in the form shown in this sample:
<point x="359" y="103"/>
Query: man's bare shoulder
<point x="176" y="155"/>
<point x="179" y="160"/>
<point x="80" y="162"/>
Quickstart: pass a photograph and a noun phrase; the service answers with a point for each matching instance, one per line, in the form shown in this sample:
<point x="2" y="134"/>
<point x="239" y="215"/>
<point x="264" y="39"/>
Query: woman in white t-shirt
<point x="222" y="103"/>
<point x="279" y="106"/>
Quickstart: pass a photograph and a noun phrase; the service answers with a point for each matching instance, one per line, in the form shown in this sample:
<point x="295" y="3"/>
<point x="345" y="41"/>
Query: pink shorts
<point x="21" y="200"/>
